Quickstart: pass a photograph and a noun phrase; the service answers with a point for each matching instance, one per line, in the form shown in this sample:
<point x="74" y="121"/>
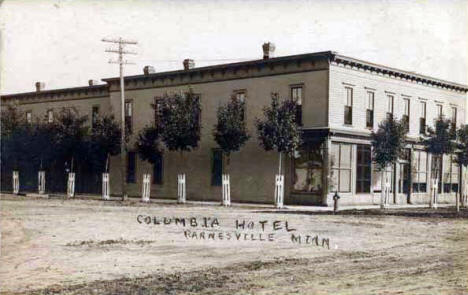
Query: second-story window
<point x="240" y="96"/>
<point x="94" y="116"/>
<point x="390" y="100"/>
<point x="439" y="111"/>
<point x="348" y="109"/>
<point x="453" y="119"/>
<point x="296" y="96"/>
<point x="370" y="110"/>
<point x="29" y="117"/>
<point x="422" y="118"/>
<point x="50" y="116"/>
<point x="406" y="112"/>
<point x="157" y="109"/>
<point x="129" y="116"/>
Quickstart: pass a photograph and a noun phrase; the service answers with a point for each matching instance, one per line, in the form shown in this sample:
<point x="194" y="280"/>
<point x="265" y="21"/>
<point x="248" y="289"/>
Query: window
<point x="308" y="168"/>
<point x="296" y="96"/>
<point x="94" y="116"/>
<point x="419" y="172"/>
<point x="216" y="167"/>
<point x="29" y="117"/>
<point x="439" y="111"/>
<point x="370" y="110"/>
<point x="340" y="167"/>
<point x="406" y="113"/>
<point x="131" y="167"/>
<point x="422" y="118"/>
<point x="363" y="169"/>
<point x="390" y="100"/>
<point x="158" y="169"/>
<point x="240" y="96"/>
<point x="50" y="116"/>
<point x="348" y="109"/>
<point x="129" y="116"/>
<point x="157" y="109"/>
<point x="451" y="170"/>
<point x="453" y="119"/>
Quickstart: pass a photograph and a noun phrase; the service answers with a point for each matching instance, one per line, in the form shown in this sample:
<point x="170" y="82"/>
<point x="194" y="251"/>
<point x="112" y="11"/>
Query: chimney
<point x="189" y="64"/>
<point x="40" y="86"/>
<point x="148" y="70"/>
<point x="268" y="50"/>
<point x="93" y="82"/>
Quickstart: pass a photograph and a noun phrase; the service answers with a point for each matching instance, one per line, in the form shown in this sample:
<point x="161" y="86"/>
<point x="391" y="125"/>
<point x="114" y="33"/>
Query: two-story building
<point x="341" y="99"/>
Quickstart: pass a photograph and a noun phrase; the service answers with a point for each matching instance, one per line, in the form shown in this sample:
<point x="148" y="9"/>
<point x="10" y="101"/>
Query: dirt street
<point x="94" y="247"/>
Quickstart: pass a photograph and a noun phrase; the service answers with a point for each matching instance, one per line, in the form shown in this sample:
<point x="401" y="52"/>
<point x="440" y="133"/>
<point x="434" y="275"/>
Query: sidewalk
<point x="262" y="206"/>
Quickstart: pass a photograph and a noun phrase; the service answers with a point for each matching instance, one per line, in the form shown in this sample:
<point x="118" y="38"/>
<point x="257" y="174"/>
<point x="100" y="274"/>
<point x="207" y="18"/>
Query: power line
<point x="123" y="148"/>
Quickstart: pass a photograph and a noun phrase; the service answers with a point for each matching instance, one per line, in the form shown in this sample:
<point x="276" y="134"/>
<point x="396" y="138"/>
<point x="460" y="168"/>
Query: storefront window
<point x="450" y="174"/>
<point x="363" y="169"/>
<point x="308" y="169"/>
<point x="340" y="158"/>
<point x="419" y="171"/>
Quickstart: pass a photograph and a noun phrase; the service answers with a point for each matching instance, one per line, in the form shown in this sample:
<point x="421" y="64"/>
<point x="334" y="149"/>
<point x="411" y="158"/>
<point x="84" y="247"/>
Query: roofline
<point x="59" y="90"/>
<point x="391" y="70"/>
<point x="332" y="56"/>
<point x="326" y="54"/>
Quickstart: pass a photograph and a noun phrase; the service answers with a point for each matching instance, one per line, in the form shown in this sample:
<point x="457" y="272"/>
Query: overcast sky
<point x="58" y="41"/>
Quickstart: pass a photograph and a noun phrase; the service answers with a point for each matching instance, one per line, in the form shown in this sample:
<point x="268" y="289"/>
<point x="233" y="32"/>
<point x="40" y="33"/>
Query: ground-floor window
<point x="340" y="162"/>
<point x="216" y="167"/>
<point x="377" y="181"/>
<point x="419" y="171"/>
<point x="158" y="169"/>
<point x="308" y="169"/>
<point x="363" y="169"/>
<point x="450" y="174"/>
<point x="131" y="167"/>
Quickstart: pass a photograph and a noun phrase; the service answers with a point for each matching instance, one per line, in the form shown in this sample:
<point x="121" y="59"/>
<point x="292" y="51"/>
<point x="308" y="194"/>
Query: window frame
<point x="129" y="118"/>
<point x="294" y="96"/>
<point x="216" y="180"/>
<point x="366" y="162"/>
<point x="338" y="167"/>
<point x="348" y="108"/>
<point x="422" y="117"/>
<point x="50" y="116"/>
<point x="131" y="178"/>
<point x="94" y="115"/>
<point x="370" y="109"/>
<point x="159" y="180"/>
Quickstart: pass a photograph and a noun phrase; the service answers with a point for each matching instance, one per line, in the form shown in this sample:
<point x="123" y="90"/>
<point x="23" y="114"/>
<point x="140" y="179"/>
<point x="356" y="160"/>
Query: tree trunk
<point x="106" y="168"/>
<point x="459" y="192"/>
<point x="279" y="164"/>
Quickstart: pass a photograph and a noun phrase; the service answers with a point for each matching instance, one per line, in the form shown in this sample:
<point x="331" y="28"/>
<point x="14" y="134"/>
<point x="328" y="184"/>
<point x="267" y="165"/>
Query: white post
<point x="145" y="194"/>
<point x="15" y="182"/>
<point x="105" y="186"/>
<point x="279" y="191"/>
<point x="433" y="196"/>
<point x="387" y="190"/>
<point x="226" y="190"/>
<point x="181" y="188"/>
<point x="465" y="192"/>
<point x="71" y="185"/>
<point x="385" y="193"/>
<point x="41" y="182"/>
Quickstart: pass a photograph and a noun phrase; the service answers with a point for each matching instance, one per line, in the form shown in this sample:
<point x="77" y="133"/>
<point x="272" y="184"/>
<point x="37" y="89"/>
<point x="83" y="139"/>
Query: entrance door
<point x="404" y="182"/>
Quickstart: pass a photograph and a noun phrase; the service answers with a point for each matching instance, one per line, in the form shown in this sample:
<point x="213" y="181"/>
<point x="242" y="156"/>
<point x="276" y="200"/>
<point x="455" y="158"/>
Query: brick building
<point x="342" y="100"/>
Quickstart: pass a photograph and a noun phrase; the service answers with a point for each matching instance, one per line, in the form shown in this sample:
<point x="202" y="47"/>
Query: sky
<point x="59" y="41"/>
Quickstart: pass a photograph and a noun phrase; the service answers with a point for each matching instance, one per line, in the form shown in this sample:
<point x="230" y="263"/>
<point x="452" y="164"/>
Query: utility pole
<point x="123" y="146"/>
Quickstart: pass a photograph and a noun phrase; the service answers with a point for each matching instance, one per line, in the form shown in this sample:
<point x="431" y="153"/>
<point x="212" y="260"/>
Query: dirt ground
<point x="94" y="247"/>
